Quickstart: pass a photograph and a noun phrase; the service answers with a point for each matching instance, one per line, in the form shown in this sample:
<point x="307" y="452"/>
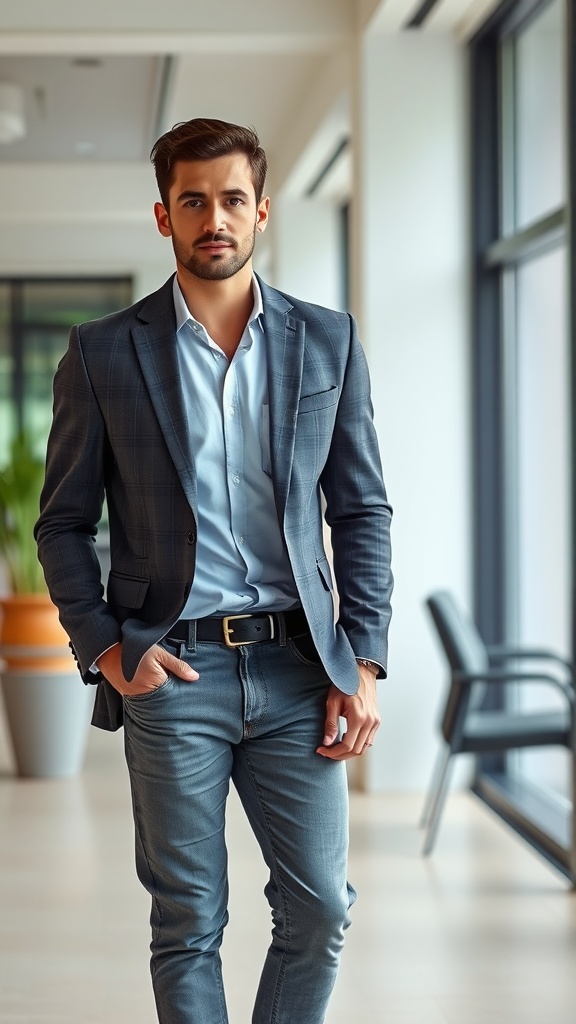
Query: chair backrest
<point x="465" y="651"/>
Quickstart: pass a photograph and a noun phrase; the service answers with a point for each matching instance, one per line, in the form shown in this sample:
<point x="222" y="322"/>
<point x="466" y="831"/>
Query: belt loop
<point x="191" y="639"/>
<point x="281" y="628"/>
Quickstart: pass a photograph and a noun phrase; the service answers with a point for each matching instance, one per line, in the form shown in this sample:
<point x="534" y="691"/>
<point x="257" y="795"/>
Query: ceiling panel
<point x="100" y="108"/>
<point x="264" y="90"/>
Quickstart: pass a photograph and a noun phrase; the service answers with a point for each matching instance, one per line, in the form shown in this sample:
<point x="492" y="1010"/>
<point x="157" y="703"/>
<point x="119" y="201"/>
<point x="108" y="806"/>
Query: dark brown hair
<point x="205" y="138"/>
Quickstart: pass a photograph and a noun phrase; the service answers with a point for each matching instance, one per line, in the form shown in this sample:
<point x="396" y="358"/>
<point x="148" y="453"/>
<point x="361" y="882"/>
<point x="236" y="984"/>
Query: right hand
<point x="154" y="668"/>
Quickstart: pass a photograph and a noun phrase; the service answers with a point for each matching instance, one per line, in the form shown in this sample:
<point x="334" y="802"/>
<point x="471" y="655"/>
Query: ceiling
<point x="84" y="108"/>
<point x="112" y="108"/>
<point x="96" y="92"/>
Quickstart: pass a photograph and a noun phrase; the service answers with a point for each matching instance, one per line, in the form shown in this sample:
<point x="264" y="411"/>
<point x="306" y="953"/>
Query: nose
<point x="214" y="219"/>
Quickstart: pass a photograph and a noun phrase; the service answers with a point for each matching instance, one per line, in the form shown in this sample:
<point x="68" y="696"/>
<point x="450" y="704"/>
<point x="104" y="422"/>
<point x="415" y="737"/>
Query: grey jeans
<point x="255" y="716"/>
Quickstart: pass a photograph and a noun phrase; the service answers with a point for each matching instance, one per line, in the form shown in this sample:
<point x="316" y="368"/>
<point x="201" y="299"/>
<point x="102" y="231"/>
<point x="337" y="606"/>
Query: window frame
<point x="18" y="326"/>
<point x="497" y="248"/>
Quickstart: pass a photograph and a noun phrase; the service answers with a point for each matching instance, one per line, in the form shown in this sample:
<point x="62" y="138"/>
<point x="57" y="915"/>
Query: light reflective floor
<point x="483" y="933"/>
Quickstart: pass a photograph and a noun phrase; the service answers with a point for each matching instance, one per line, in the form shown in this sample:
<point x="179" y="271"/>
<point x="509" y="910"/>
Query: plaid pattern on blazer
<point x="120" y="430"/>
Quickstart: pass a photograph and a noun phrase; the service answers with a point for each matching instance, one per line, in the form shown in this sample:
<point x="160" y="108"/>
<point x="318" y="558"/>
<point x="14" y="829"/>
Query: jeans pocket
<point x="148" y="695"/>
<point x="304" y="649"/>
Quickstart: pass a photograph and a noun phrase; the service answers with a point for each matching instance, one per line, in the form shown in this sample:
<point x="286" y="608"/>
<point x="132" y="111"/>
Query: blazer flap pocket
<point x="126" y="591"/>
<point x="325" y="574"/>
<point x="321" y="400"/>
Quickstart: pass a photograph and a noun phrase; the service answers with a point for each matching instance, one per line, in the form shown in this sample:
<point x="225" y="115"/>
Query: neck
<point x="222" y="307"/>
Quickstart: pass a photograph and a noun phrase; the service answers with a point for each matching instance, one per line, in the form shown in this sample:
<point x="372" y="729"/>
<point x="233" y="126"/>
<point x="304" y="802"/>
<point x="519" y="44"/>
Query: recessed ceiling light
<point x="12" y="120"/>
<point x="87" y="62"/>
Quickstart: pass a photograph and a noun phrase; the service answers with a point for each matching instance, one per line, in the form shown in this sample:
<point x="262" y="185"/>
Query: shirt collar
<point x="184" y="316"/>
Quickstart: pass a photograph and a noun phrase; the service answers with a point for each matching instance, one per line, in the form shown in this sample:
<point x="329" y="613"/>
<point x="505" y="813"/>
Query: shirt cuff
<point x="94" y="667"/>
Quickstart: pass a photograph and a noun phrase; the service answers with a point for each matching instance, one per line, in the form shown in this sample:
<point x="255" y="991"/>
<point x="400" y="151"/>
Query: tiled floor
<point x="483" y="933"/>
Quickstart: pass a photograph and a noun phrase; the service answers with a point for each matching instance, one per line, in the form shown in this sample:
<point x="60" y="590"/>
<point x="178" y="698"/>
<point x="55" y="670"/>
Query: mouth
<point x="214" y="248"/>
<point x="214" y="245"/>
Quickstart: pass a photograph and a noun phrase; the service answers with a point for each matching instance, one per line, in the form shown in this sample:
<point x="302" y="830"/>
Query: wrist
<point x="370" y="665"/>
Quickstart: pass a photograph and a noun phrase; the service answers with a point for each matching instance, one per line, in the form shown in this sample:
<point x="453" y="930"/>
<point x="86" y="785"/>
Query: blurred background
<point x="420" y="155"/>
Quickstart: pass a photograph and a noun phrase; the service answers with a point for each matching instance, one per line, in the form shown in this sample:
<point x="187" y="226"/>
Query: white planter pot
<point x="48" y="717"/>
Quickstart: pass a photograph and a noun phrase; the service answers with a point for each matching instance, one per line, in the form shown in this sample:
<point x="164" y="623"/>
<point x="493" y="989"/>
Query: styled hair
<point x="205" y="138"/>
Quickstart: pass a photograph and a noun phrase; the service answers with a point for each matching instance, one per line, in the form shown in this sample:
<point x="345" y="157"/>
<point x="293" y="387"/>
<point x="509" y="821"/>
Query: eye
<point x="194" y="203"/>
<point x="235" y="201"/>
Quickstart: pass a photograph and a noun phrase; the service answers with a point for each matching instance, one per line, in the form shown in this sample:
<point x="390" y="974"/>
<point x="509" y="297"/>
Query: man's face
<point x="212" y="215"/>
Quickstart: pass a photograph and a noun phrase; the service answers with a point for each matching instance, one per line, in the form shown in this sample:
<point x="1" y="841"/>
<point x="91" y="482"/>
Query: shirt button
<point x="241" y="540"/>
<point x="236" y="479"/>
<point x="191" y="538"/>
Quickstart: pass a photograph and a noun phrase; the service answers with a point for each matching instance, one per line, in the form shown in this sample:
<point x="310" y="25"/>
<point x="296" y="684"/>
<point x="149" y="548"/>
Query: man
<point x="212" y="415"/>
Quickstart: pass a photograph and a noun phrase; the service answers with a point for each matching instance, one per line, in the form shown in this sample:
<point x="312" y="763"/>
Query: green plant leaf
<point x="21" y="482"/>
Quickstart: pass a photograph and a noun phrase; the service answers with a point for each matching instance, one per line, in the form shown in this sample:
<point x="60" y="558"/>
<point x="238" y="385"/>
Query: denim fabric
<point x="256" y="715"/>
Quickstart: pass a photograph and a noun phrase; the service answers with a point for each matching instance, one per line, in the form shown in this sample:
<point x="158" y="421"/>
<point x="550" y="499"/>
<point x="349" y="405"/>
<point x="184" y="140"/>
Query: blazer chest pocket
<point x="126" y="591"/>
<point x="321" y="400"/>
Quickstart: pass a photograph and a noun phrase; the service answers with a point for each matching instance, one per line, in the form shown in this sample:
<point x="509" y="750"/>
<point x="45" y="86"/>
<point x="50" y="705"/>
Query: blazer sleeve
<point x="359" y="515"/>
<point x="70" y="510"/>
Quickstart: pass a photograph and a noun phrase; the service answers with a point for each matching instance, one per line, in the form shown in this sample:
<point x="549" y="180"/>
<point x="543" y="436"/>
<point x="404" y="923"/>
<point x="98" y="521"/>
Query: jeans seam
<point x="250" y="726"/>
<point x="157" y="904"/>
<point x="283" y="893"/>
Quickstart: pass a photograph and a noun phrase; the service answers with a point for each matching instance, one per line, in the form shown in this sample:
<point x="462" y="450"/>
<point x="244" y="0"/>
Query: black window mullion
<point x="17" y="346"/>
<point x="487" y="363"/>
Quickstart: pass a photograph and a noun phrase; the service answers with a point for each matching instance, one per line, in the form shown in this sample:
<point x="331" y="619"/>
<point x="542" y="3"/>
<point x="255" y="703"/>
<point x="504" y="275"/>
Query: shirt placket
<point x="234" y="451"/>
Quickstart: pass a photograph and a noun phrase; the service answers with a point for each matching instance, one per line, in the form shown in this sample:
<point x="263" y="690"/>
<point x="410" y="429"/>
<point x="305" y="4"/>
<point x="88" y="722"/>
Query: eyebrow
<point x="190" y="194"/>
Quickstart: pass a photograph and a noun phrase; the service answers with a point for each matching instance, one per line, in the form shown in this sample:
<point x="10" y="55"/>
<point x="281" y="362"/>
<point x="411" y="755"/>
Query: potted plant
<point x="47" y="708"/>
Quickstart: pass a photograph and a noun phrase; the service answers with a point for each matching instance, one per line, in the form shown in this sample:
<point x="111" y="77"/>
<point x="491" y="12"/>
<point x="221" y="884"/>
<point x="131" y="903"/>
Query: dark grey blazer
<point x="120" y="431"/>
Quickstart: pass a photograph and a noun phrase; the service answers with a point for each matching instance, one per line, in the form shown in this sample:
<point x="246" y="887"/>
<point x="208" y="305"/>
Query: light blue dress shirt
<point x="241" y="561"/>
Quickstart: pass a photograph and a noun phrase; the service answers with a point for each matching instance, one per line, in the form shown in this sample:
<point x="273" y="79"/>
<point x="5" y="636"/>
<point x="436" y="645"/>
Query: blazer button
<point x="191" y="538"/>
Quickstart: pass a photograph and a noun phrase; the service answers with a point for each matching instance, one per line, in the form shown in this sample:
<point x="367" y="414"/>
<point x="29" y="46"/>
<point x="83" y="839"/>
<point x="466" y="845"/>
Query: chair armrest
<point x="499" y="653"/>
<point x="497" y="676"/>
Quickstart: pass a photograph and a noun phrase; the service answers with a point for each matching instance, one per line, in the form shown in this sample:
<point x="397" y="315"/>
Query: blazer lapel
<point x="155" y="343"/>
<point x="285" y="352"/>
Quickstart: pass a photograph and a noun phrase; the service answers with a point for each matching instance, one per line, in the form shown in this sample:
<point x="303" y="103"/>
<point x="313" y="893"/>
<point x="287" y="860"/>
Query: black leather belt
<point x="235" y="630"/>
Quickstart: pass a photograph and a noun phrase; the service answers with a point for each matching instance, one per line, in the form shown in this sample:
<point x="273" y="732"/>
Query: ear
<point x="162" y="220"/>
<point x="262" y="214"/>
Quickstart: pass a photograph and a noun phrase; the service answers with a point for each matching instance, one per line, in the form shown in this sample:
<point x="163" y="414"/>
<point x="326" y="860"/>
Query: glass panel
<point x="64" y="303"/>
<point x="42" y="353"/>
<point x="6" y="375"/>
<point x="543" y="495"/>
<point x="49" y="308"/>
<point x="540" y="115"/>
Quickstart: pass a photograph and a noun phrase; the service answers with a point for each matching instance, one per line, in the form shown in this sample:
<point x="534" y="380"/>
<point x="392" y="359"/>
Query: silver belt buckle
<point x="243" y="643"/>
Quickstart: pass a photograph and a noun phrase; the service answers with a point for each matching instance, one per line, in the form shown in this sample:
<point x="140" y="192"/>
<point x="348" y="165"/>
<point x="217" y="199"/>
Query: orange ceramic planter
<point x="31" y="621"/>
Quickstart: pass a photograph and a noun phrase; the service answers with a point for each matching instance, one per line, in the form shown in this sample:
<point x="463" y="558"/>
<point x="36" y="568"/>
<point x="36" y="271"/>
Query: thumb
<point x="177" y="667"/>
<point x="330" y="730"/>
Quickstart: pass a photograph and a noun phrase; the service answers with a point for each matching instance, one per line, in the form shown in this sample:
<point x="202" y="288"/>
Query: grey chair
<point x="466" y="728"/>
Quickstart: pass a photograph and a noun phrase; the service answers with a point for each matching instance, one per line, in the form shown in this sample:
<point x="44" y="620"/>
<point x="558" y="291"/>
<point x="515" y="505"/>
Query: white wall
<point x="412" y="260"/>
<point x="306" y="248"/>
<point x="82" y="219"/>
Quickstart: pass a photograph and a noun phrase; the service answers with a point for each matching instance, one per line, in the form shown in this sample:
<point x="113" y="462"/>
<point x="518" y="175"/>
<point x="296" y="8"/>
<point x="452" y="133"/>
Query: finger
<point x="175" y="666"/>
<point x="372" y="735"/>
<point x="336" y="753"/>
<point x="357" y="739"/>
<point x="330" y="730"/>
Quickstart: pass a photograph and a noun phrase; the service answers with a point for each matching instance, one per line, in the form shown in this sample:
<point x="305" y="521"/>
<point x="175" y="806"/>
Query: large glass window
<point x="523" y="350"/>
<point x="35" y="319"/>
<point x="539" y="108"/>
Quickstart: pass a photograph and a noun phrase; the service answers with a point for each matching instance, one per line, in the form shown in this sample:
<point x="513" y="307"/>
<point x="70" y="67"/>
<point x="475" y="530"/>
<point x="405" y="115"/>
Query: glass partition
<point x="35" y="320"/>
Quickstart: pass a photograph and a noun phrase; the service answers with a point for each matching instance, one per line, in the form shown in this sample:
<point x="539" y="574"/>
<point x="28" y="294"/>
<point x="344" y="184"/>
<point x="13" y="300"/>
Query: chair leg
<point x="435" y="783"/>
<point x="438" y="804"/>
